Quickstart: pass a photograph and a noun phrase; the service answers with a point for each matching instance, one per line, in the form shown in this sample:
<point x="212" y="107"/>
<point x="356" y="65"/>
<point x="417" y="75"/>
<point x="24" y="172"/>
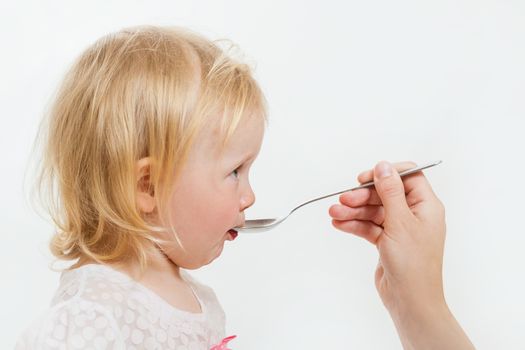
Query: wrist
<point x="409" y="305"/>
<point x="429" y="326"/>
<point x="415" y="317"/>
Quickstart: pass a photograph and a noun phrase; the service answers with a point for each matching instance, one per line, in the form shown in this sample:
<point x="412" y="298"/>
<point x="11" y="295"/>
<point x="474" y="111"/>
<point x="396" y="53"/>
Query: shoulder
<point x="83" y="313"/>
<point x="76" y="323"/>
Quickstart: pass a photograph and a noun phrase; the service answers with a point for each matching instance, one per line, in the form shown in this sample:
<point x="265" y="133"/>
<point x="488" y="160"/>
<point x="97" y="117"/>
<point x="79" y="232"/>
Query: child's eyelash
<point x="236" y="171"/>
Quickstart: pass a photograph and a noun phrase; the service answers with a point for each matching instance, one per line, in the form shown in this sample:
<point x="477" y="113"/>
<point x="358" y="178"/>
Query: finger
<point x="363" y="229"/>
<point x="373" y="213"/>
<point x="416" y="186"/>
<point x="390" y="189"/>
<point x="355" y="198"/>
<point x="418" y="189"/>
<point x="360" y="197"/>
<point x="368" y="175"/>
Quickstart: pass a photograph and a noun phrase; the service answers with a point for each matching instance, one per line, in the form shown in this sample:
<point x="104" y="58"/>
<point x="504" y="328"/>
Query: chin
<point x="212" y="259"/>
<point x="194" y="265"/>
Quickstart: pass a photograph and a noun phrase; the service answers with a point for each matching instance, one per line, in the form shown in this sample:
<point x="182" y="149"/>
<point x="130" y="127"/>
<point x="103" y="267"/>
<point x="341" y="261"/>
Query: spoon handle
<point x="370" y="184"/>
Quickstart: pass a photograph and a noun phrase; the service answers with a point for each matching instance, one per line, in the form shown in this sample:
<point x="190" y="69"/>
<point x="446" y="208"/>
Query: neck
<point x="159" y="266"/>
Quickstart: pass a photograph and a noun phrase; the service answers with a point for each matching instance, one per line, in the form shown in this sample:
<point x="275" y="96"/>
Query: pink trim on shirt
<point x="222" y="345"/>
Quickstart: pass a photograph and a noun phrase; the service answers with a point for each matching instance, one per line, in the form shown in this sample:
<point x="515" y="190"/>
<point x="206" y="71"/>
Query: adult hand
<point x="406" y="222"/>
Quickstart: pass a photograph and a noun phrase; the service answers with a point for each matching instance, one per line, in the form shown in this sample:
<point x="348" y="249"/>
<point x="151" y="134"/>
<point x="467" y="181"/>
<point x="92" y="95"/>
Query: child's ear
<point x="145" y="192"/>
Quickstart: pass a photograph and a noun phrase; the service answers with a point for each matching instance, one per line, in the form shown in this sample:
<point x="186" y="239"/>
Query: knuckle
<point x="365" y="176"/>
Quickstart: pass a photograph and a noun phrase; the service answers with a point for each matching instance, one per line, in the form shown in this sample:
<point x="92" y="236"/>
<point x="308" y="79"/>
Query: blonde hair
<point x="144" y="91"/>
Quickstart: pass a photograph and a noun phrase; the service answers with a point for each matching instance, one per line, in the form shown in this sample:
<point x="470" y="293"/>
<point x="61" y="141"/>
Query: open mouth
<point x="232" y="234"/>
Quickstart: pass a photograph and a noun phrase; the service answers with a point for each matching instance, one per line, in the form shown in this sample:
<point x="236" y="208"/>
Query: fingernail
<point x="383" y="169"/>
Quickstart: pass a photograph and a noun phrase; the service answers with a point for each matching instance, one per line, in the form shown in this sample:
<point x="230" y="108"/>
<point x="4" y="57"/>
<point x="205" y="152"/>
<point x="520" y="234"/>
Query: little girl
<point x="147" y="152"/>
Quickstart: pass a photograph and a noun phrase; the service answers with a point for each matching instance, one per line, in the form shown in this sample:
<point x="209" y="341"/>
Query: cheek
<point x="203" y="212"/>
<point x="222" y="211"/>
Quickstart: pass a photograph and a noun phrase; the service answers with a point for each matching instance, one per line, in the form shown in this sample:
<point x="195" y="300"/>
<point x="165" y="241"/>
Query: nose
<point x="247" y="199"/>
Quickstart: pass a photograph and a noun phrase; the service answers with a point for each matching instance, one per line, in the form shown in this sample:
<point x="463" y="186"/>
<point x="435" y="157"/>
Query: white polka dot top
<point x="97" y="307"/>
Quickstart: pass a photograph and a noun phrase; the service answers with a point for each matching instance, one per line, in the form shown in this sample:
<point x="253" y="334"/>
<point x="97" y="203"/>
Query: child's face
<point x="212" y="193"/>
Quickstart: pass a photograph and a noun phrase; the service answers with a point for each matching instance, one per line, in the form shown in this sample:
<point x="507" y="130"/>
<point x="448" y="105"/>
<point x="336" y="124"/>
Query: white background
<point x="348" y="84"/>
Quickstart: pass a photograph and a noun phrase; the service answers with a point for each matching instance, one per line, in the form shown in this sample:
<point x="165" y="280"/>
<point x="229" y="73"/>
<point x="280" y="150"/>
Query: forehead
<point x="246" y="139"/>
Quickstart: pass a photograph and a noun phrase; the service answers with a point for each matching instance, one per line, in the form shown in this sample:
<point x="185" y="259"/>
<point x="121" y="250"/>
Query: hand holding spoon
<point x="262" y="225"/>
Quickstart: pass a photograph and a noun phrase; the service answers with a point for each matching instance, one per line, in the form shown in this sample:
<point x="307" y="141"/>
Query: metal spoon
<point x="262" y="225"/>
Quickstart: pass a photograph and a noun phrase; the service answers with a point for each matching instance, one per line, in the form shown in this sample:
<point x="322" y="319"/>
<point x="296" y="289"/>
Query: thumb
<point x="390" y="189"/>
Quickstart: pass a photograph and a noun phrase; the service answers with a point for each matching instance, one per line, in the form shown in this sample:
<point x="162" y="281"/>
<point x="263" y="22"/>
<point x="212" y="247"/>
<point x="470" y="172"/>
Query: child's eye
<point x="236" y="172"/>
